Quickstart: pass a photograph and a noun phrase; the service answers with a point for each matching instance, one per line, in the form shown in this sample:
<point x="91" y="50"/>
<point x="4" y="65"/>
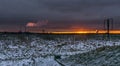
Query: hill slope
<point x="105" y="56"/>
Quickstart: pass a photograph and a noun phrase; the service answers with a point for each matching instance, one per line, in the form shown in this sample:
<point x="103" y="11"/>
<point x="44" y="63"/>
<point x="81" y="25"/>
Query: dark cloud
<point x="60" y="13"/>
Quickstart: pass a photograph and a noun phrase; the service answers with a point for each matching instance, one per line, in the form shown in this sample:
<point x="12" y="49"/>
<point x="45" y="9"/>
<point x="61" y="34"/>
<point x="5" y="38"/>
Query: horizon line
<point x="69" y="32"/>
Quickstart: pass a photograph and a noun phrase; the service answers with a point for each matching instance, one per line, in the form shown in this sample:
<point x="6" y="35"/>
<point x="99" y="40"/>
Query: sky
<point x="57" y="15"/>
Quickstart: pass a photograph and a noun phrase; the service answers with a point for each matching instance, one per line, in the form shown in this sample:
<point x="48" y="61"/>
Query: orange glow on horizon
<point x="90" y="31"/>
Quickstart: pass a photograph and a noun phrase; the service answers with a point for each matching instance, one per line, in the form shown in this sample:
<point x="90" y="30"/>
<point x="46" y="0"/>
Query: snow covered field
<point x="36" y="51"/>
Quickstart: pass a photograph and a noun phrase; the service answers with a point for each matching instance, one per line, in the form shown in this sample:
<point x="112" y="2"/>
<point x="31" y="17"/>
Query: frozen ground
<point x="104" y="56"/>
<point x="35" y="51"/>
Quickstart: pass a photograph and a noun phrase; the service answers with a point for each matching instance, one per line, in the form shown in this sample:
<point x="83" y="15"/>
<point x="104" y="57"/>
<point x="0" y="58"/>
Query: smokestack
<point x="43" y="30"/>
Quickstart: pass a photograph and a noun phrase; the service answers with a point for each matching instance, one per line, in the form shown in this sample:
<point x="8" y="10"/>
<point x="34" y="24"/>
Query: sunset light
<point x="89" y="31"/>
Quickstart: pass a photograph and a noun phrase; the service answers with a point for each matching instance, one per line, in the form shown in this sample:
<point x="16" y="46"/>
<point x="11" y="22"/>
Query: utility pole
<point x="108" y="25"/>
<point x="25" y="29"/>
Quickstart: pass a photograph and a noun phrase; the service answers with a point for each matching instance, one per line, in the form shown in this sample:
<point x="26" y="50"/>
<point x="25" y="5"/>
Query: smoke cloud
<point x="31" y="24"/>
<point x="37" y="24"/>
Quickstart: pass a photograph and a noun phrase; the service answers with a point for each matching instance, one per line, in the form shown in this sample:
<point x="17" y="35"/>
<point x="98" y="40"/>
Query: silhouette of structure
<point x="96" y="31"/>
<point x="43" y="30"/>
<point x="108" y="25"/>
